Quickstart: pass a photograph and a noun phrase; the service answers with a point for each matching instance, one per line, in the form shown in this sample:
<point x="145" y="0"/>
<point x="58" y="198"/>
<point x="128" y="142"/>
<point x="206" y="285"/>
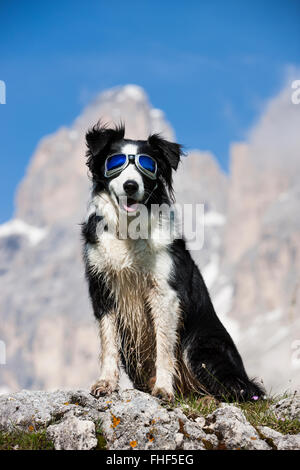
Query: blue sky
<point x="210" y="65"/>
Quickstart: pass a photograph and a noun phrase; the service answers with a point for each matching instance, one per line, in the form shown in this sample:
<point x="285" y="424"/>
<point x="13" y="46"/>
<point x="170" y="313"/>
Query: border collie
<point x="155" y="315"/>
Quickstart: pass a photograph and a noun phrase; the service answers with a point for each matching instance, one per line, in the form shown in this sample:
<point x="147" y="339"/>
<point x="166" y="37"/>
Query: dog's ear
<point x="98" y="138"/>
<point x="170" y="150"/>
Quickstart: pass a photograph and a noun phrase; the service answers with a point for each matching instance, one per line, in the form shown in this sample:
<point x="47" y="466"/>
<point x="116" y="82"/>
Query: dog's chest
<point x="112" y="255"/>
<point x="134" y="270"/>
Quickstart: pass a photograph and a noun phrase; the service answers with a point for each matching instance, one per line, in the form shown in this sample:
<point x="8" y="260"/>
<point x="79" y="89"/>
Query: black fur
<point x="89" y="229"/>
<point x="101" y="297"/>
<point x="212" y="354"/>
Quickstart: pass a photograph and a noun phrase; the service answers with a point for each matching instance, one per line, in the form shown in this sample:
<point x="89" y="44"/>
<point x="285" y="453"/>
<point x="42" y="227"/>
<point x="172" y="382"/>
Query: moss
<point x="22" y="440"/>
<point x="101" y="445"/>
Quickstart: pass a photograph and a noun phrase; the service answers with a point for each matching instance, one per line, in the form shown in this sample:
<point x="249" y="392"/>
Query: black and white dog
<point x="154" y="311"/>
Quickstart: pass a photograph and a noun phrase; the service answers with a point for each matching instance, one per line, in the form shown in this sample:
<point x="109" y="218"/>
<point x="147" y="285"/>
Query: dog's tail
<point x="241" y="389"/>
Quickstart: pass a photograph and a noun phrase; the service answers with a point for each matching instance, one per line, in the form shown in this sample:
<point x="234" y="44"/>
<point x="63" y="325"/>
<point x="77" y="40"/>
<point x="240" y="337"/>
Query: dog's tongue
<point x="130" y="207"/>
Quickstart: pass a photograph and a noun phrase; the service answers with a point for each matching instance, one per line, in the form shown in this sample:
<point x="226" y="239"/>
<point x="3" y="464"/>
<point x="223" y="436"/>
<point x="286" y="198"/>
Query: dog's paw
<point x="103" y="387"/>
<point x="163" y="394"/>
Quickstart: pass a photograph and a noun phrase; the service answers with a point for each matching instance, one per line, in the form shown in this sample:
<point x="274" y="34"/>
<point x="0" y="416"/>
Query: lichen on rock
<point x="130" y="419"/>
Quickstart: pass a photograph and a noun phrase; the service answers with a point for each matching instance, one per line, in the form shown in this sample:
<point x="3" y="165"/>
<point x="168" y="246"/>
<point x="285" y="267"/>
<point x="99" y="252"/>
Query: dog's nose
<point x="130" y="187"/>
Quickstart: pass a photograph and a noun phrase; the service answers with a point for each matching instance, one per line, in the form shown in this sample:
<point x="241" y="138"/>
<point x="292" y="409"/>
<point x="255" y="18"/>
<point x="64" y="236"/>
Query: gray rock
<point x="200" y="421"/>
<point x="138" y="419"/>
<point x="179" y="437"/>
<point x="41" y="409"/>
<point x="279" y="441"/>
<point x="132" y="419"/>
<point x="26" y="408"/>
<point x="73" y="433"/>
<point x="288" y="408"/>
<point x="193" y="445"/>
<point x="233" y="430"/>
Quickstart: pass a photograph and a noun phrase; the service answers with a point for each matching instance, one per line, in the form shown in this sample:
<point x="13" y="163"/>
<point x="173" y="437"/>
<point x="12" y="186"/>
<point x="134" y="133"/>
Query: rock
<point x="288" y="442"/>
<point x="193" y="446"/>
<point x="73" y="434"/>
<point x="41" y="409"/>
<point x="279" y="441"/>
<point x="25" y="408"/>
<point x="179" y="440"/>
<point x="200" y="421"/>
<point x="262" y="237"/>
<point x="233" y="430"/>
<point x="287" y="408"/>
<point x="131" y="419"/>
<point x="139" y="418"/>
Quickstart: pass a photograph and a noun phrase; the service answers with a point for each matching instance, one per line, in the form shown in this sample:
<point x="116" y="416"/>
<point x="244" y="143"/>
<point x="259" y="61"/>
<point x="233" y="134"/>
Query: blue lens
<point x="147" y="163"/>
<point x="115" y="161"/>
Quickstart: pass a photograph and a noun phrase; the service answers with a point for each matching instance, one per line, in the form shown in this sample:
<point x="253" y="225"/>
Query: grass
<point x="100" y="438"/>
<point x="38" y="440"/>
<point x="25" y="440"/>
<point x="258" y="413"/>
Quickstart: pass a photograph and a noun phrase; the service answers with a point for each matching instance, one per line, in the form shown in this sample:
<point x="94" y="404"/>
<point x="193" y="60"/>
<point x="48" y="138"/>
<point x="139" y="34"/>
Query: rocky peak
<point x="55" y="186"/>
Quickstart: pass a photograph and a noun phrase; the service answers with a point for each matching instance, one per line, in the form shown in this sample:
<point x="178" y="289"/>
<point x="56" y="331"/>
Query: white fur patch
<point x="165" y="310"/>
<point x="130" y="149"/>
<point x="109" y="351"/>
<point x="130" y="173"/>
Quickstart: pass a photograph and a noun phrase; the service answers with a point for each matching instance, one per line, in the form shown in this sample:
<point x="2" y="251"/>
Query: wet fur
<point x="154" y="310"/>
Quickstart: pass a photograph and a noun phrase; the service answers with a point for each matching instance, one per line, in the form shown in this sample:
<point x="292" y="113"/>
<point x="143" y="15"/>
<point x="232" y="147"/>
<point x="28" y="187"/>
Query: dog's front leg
<point x="109" y="359"/>
<point x="165" y="313"/>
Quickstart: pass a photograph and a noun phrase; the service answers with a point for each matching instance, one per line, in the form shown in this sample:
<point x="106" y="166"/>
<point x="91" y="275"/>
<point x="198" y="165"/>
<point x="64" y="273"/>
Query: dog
<point x="155" y="315"/>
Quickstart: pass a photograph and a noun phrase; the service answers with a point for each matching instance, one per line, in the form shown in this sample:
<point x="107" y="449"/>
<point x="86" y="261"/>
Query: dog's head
<point x="132" y="171"/>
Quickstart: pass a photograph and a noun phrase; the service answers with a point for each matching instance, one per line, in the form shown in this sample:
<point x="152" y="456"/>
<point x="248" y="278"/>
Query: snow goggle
<point x="119" y="161"/>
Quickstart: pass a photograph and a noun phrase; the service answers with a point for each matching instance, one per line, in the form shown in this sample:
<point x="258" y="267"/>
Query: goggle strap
<point x="145" y="202"/>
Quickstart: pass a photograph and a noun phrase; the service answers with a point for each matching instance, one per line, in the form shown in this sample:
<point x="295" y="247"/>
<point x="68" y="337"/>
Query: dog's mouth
<point x="128" y="204"/>
<point x="131" y="205"/>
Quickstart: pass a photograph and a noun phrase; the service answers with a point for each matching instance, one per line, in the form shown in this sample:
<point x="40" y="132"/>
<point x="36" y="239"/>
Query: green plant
<point x="25" y="440"/>
<point x="258" y="413"/>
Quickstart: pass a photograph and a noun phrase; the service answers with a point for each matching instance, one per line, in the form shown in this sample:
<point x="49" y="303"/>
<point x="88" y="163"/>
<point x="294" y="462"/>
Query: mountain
<point x="249" y="256"/>
<point x="262" y="242"/>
